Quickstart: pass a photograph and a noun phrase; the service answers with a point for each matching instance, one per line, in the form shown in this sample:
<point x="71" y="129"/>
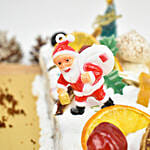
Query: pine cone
<point x="10" y="50"/>
<point x="36" y="48"/>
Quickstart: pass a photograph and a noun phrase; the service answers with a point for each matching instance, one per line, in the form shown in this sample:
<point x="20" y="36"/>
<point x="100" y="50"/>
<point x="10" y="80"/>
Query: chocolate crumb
<point x="11" y="109"/>
<point x="6" y="89"/>
<point x="22" y="96"/>
<point x="22" y="112"/>
<point x="10" y="126"/>
<point x="9" y="80"/>
<point x="34" y="142"/>
<point x="2" y="124"/>
<point x="9" y="97"/>
<point x="2" y="96"/>
<point x="4" y="118"/>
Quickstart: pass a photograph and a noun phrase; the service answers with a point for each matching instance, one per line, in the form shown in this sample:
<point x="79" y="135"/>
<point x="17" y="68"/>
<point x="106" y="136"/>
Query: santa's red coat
<point x="81" y="89"/>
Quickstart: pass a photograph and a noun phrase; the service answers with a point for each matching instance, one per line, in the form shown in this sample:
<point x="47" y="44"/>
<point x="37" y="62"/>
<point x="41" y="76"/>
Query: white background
<point x="28" y="18"/>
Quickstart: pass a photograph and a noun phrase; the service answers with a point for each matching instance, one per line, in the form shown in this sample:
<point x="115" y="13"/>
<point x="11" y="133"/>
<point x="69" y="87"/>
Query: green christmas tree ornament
<point x="111" y="28"/>
<point x="106" y="23"/>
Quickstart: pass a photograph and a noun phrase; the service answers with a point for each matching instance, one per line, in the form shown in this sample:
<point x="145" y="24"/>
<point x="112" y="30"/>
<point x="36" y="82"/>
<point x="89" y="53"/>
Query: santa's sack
<point x="100" y="55"/>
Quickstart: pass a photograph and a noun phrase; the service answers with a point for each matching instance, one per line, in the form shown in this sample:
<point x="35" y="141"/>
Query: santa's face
<point x="64" y="62"/>
<point x="69" y="66"/>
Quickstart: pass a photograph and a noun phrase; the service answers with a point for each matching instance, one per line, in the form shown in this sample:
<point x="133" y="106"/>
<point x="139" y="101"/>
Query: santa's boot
<point x="108" y="103"/>
<point x="77" y="110"/>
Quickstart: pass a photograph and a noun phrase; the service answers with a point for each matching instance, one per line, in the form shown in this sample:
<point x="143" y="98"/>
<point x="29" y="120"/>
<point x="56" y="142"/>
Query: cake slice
<point x="19" y="123"/>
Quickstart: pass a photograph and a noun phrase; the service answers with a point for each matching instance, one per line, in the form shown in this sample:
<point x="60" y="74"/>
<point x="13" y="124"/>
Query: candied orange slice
<point x="144" y="93"/>
<point x="128" y="119"/>
<point x="81" y="39"/>
<point x="117" y="65"/>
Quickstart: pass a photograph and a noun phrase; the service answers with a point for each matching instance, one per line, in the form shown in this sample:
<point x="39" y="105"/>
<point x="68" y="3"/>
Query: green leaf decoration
<point x="111" y="43"/>
<point x="114" y="81"/>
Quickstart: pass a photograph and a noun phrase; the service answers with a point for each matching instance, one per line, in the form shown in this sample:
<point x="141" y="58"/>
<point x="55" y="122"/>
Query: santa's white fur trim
<point x="61" y="86"/>
<point x="80" y="104"/>
<point x="70" y="38"/>
<point x="92" y="77"/>
<point x="65" y="52"/>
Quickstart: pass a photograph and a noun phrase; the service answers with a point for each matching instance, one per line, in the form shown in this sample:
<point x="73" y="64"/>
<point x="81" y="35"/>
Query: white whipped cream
<point x="46" y="133"/>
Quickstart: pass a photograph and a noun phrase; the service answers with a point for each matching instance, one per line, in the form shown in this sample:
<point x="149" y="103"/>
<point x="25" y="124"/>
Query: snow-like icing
<point x="134" y="140"/>
<point x="46" y="134"/>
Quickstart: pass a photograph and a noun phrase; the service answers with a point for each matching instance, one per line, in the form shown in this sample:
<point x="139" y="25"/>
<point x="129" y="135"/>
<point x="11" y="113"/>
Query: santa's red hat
<point x="62" y="46"/>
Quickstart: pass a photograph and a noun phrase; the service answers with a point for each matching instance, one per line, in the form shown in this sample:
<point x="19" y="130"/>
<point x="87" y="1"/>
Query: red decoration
<point x="106" y="136"/>
<point x="103" y="57"/>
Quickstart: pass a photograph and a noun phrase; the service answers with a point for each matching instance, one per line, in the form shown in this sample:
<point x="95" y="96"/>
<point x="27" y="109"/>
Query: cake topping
<point x="60" y="107"/>
<point x="133" y="48"/>
<point x="106" y="136"/>
<point x="53" y="38"/>
<point x="105" y="24"/>
<point x="85" y="76"/>
<point x="144" y="93"/>
<point x="114" y="81"/>
<point x="82" y="39"/>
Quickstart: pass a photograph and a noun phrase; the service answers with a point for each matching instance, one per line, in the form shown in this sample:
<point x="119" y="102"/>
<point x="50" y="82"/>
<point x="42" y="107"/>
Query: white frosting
<point x="46" y="141"/>
<point x="134" y="140"/>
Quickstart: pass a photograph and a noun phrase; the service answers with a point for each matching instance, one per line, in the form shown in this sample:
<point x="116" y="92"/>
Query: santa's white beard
<point x="73" y="75"/>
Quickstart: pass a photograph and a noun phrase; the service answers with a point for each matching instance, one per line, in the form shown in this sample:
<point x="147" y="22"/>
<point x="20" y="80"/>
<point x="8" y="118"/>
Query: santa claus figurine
<point x="83" y="72"/>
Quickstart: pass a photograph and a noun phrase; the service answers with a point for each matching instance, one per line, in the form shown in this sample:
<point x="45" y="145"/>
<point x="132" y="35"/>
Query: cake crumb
<point x="32" y="141"/>
<point x="9" y="80"/>
<point x="10" y="126"/>
<point x="4" y="118"/>
<point x="6" y="89"/>
<point x="2" y="124"/>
